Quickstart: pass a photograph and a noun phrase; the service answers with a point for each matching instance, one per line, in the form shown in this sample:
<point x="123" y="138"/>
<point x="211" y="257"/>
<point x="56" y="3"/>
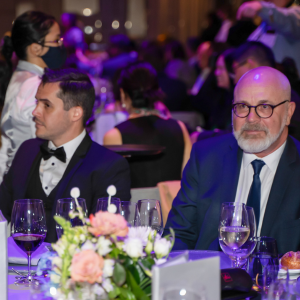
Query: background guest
<point x="35" y="39"/>
<point x="139" y="90"/>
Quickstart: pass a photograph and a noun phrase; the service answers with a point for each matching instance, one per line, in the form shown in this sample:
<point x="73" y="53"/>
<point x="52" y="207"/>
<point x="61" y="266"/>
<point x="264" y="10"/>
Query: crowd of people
<point x="55" y="87"/>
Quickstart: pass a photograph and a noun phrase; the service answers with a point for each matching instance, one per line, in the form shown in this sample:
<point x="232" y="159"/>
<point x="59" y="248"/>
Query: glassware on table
<point x="63" y="208"/>
<point x="128" y="211"/>
<point x="247" y="248"/>
<point x="28" y="229"/>
<point x="263" y="263"/>
<point x="148" y="214"/>
<point x="102" y="204"/>
<point x="234" y="229"/>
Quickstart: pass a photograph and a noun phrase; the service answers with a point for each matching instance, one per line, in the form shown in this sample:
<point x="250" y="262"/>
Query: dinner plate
<point x="291" y="271"/>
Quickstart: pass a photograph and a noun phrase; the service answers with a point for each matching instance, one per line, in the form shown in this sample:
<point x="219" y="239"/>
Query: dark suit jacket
<point x="211" y="177"/>
<point x="92" y="169"/>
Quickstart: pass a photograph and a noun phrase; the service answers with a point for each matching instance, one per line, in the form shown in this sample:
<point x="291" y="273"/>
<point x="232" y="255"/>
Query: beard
<point x="252" y="144"/>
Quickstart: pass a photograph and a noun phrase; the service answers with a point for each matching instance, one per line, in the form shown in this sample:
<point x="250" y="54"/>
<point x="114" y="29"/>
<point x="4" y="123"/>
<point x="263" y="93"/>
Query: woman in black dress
<point x="139" y="91"/>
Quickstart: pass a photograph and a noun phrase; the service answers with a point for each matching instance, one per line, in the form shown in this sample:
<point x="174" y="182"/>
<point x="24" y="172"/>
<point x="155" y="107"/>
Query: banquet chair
<point x="190" y="118"/>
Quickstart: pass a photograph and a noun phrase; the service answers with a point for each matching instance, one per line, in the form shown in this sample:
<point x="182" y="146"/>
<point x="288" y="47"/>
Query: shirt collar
<point x="32" y="68"/>
<point x="270" y="160"/>
<point x="71" y="146"/>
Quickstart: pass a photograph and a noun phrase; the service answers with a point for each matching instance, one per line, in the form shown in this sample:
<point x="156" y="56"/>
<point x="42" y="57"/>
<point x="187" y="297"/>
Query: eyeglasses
<point x="59" y="41"/>
<point x="264" y="111"/>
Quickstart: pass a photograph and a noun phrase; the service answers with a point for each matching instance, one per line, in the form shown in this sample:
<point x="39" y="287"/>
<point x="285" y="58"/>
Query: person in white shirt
<point x="36" y="41"/>
<point x="258" y="166"/>
<point x="63" y="155"/>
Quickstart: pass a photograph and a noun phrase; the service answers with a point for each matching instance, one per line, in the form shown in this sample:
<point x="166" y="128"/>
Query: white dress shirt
<point x="52" y="169"/>
<point x="266" y="177"/>
<point x="17" y="123"/>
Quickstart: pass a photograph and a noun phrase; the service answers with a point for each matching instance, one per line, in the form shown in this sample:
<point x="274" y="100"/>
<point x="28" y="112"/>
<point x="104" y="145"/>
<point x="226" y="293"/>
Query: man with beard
<point x="258" y="166"/>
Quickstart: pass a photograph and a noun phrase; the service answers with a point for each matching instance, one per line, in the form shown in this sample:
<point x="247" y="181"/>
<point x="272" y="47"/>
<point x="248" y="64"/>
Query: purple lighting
<point x="256" y="77"/>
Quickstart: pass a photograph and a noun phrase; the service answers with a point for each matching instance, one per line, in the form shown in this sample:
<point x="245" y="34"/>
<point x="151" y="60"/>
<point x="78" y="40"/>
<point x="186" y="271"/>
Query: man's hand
<point x="248" y="10"/>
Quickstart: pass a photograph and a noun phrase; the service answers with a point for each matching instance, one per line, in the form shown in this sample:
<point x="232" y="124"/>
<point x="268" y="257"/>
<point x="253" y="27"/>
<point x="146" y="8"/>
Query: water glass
<point x="148" y="213"/>
<point x="234" y="229"/>
<point x="102" y="204"/>
<point x="263" y="263"/>
<point x="241" y="254"/>
<point x="128" y="211"/>
<point x="63" y="208"/>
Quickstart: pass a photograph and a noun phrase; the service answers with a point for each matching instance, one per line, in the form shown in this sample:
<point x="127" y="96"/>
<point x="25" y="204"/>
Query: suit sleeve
<point x="183" y="215"/>
<point x="117" y="173"/>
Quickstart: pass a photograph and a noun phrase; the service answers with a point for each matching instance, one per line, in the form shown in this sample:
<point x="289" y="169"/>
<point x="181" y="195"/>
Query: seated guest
<point x="251" y="55"/>
<point x="222" y="169"/>
<point x="139" y="90"/>
<point x="63" y="156"/>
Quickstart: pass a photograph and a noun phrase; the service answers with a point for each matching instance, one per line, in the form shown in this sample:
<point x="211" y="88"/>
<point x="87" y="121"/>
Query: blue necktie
<point x="255" y="190"/>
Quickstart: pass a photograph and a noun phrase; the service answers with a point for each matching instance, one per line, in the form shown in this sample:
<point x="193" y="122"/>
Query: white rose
<point x="106" y="284"/>
<point x="108" y="268"/>
<point x="103" y="246"/>
<point x="162" y="247"/>
<point x="133" y="247"/>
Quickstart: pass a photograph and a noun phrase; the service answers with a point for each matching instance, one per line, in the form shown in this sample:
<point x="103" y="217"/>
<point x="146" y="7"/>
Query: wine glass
<point x="247" y="248"/>
<point x="63" y="208"/>
<point x="128" y="211"/>
<point x="148" y="213"/>
<point x="234" y="229"/>
<point x="28" y="229"/>
<point x="102" y="204"/>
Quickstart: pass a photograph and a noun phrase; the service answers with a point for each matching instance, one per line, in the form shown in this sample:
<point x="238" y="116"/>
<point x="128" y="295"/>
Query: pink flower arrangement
<point x="87" y="265"/>
<point x="105" y="223"/>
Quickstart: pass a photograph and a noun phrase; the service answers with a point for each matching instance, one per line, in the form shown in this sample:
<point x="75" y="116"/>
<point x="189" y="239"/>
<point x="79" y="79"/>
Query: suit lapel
<point x="73" y="165"/>
<point x="281" y="180"/>
<point x="231" y="171"/>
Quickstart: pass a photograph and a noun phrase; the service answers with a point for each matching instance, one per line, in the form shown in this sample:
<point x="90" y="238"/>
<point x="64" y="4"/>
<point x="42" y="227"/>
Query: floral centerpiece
<point x="106" y="259"/>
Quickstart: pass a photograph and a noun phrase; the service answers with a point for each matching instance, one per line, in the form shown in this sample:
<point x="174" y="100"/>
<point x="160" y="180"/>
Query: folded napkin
<point x="18" y="256"/>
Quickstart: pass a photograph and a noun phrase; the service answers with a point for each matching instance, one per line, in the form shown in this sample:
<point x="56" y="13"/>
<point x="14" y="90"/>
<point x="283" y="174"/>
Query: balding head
<point x="263" y="130"/>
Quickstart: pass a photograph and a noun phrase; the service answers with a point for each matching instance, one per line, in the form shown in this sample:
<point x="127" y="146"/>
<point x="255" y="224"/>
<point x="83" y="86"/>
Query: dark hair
<point x="76" y="89"/>
<point x="176" y="48"/>
<point x="153" y="53"/>
<point x="5" y="74"/>
<point x="139" y="82"/>
<point x="261" y="53"/>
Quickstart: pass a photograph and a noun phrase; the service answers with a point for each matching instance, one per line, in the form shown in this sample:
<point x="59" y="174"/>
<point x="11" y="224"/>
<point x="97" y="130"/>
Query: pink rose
<point x="105" y="223"/>
<point x="87" y="265"/>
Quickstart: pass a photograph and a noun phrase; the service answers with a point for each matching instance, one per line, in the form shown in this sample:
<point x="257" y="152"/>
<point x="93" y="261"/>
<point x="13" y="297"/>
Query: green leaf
<point x="126" y="294"/>
<point x="148" y="262"/>
<point x="137" y="291"/>
<point x="119" y="275"/>
<point x="136" y="272"/>
<point x="114" y="293"/>
<point x="62" y="222"/>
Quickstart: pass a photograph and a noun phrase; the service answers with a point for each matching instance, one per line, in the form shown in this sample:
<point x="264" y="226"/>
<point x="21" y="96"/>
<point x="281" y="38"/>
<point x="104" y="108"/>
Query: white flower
<point x="162" y="247"/>
<point x="60" y="247"/>
<point x="57" y="261"/>
<point x="106" y="284"/>
<point x="160" y="261"/>
<point x="54" y="278"/>
<point x="103" y="246"/>
<point x="98" y="290"/>
<point x="141" y="232"/>
<point x="82" y="237"/>
<point x="108" y="268"/>
<point x="72" y="249"/>
<point x="133" y="247"/>
<point x="88" y="245"/>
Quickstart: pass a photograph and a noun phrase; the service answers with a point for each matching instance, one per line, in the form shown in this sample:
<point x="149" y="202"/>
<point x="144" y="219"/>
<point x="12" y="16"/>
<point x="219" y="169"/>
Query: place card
<point x="201" y="277"/>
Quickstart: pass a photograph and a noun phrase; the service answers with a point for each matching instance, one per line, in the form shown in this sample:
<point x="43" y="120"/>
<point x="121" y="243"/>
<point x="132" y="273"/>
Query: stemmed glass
<point x="128" y="211"/>
<point x="63" y="208"/>
<point x="247" y="248"/>
<point x="28" y="229"/>
<point x="148" y="213"/>
<point x="234" y="229"/>
<point x="102" y="204"/>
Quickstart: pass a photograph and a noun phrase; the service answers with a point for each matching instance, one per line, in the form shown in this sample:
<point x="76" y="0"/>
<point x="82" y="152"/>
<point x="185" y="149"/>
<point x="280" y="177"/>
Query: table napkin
<point x="17" y="256"/>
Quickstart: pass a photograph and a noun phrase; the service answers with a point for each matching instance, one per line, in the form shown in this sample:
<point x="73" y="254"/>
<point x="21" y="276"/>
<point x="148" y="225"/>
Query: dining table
<point x="24" y="293"/>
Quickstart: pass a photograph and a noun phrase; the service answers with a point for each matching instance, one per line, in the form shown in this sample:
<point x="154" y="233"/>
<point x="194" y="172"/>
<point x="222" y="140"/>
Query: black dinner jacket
<point x="211" y="178"/>
<point x="92" y="169"/>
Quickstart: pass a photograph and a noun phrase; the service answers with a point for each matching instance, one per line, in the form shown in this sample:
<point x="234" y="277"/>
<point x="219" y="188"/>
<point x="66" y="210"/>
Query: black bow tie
<point x="59" y="153"/>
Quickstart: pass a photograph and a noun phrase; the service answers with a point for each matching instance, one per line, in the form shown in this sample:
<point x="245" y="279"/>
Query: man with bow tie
<point x="63" y="156"/>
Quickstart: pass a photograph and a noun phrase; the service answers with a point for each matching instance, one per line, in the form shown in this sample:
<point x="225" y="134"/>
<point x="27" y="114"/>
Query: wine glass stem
<point x="29" y="265"/>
